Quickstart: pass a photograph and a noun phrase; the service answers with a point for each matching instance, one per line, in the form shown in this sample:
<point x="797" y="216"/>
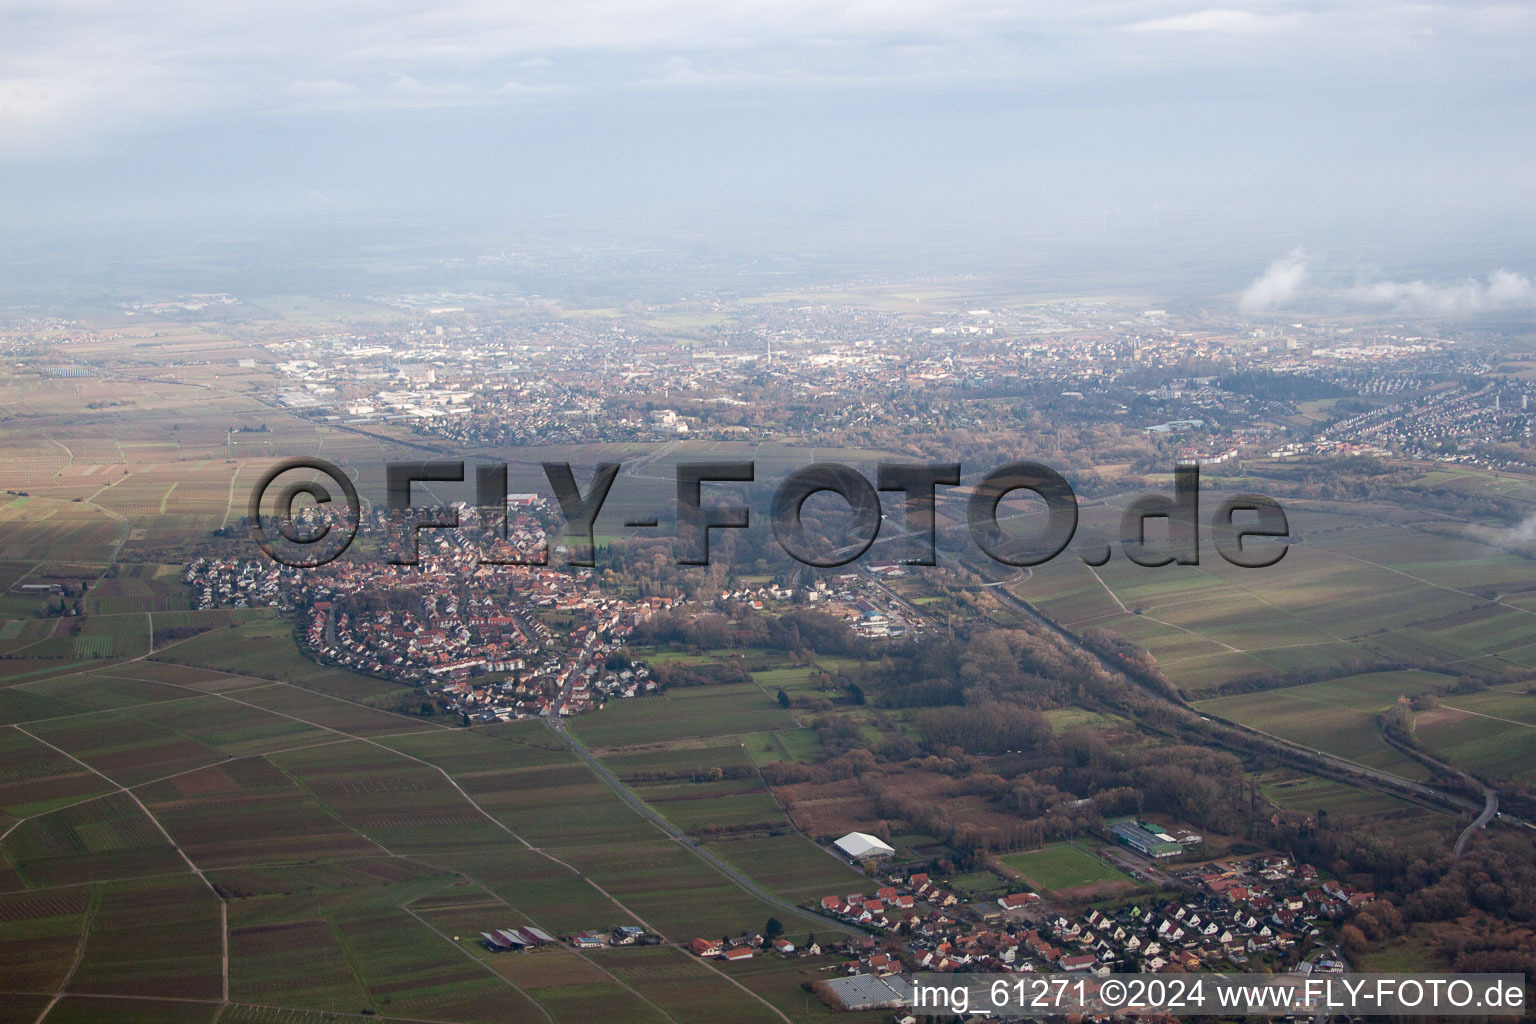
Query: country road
<point x="557" y="726"/>
<point x="1490" y="811"/>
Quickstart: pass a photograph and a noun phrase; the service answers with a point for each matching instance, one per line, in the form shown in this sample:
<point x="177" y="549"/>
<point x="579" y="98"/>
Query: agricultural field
<point x="96" y="840"/>
<point x="1510" y="704"/>
<point x="682" y="713"/>
<point x="789" y="864"/>
<point x="693" y="995"/>
<point x="1340" y="717"/>
<point x="1356" y="587"/>
<point x="159" y="937"/>
<point x="40" y="937"/>
<point x="1491" y="733"/>
<point x="139" y="587"/>
<point x="690" y="760"/>
<point x="259" y="644"/>
<point x="1314" y="796"/>
<point x="782" y="745"/>
<point x="347" y="856"/>
<point x="54" y="529"/>
<point x="709" y="807"/>
<point x="1062" y="719"/>
<point x="779" y="981"/>
<point x="339" y="862"/>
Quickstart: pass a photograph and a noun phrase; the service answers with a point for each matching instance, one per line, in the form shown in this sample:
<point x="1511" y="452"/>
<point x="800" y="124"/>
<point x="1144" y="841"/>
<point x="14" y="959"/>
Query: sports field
<point x="1057" y="867"/>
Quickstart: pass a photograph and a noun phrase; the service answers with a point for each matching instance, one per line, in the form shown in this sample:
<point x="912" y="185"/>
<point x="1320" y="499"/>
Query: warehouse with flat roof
<point x="867" y="992"/>
<point x="1144" y="838"/>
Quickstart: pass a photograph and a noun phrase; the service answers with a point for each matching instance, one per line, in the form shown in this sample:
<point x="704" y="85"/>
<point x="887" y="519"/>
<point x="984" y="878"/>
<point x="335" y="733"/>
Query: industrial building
<point x="1146" y="838"/>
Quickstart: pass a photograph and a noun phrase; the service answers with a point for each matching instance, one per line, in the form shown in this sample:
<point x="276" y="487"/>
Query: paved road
<point x="1141" y="867"/>
<point x="688" y="842"/>
<point x="1490" y="811"/>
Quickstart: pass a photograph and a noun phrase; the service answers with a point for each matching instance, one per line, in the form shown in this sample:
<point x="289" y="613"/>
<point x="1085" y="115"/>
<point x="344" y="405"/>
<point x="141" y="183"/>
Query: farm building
<point x="859" y="846"/>
<point x="627" y="934"/>
<point x="506" y="938"/>
<point x="501" y="939"/>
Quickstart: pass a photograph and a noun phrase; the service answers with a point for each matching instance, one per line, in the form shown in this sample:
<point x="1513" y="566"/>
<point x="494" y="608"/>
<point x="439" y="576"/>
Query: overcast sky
<point x="1368" y="133"/>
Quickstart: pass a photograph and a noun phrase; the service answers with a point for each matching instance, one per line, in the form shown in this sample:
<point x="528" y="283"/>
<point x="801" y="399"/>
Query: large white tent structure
<point x="859" y="846"/>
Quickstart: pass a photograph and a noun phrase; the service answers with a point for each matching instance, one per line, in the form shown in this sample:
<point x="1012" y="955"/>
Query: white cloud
<point x="1278" y="284"/>
<point x="1520" y="537"/>
<point x="90" y="70"/>
<point x="1503" y="289"/>
<point x="323" y="88"/>
<point x="1221" y="20"/>
<point x="1285" y="279"/>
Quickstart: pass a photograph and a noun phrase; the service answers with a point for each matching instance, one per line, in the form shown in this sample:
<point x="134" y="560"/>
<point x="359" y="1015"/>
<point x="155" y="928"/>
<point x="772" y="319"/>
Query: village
<point x="1249" y="914"/>
<point x="1245" y="914"/>
<point x="450" y="613"/>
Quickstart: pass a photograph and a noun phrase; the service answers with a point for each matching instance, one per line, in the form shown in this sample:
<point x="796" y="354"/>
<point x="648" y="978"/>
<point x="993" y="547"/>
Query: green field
<point x="1062" y="719"/>
<point x="347" y="846"/>
<point x="790" y="864"/>
<point x="263" y="648"/>
<point x="693" y="759"/>
<point x="782" y="745"/>
<point x="1339" y="717"/>
<point x="682" y="713"/>
<point x="1357" y="591"/>
<point x="1057" y="867"/>
<point x="1486" y="733"/>
<point x="1310" y="795"/>
<point x="1511" y="704"/>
